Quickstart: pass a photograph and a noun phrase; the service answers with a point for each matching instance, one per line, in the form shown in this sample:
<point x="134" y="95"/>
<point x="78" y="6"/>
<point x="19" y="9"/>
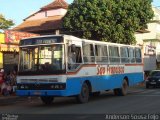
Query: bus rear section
<point x="51" y="66"/>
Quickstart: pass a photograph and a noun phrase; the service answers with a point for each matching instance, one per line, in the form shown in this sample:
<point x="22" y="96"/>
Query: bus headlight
<point x="21" y="86"/>
<point x="58" y="86"/>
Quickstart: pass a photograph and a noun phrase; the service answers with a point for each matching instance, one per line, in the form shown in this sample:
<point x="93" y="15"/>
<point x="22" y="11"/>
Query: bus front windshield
<point x="44" y="59"/>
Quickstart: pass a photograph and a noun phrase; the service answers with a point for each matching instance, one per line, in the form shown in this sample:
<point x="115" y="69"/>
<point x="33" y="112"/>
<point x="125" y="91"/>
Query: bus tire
<point x="147" y="86"/>
<point x="47" y="99"/>
<point x="116" y="91"/>
<point x="83" y="97"/>
<point x="122" y="91"/>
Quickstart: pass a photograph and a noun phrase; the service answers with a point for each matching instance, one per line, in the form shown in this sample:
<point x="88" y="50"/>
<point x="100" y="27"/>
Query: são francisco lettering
<point x="101" y="70"/>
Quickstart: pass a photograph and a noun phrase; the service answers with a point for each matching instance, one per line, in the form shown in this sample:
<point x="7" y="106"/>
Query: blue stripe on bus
<point x="98" y="83"/>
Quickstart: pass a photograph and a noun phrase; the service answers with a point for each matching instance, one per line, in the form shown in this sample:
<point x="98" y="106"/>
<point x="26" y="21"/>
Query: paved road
<point x="138" y="101"/>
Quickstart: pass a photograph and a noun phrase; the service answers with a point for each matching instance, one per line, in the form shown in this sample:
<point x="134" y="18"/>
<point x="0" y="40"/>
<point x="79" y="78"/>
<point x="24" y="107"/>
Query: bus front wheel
<point x="47" y="99"/>
<point x="83" y="97"/>
<point x="147" y="86"/>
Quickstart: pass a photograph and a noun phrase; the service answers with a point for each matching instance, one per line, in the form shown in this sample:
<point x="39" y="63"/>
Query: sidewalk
<point x="2" y="97"/>
<point x="10" y="99"/>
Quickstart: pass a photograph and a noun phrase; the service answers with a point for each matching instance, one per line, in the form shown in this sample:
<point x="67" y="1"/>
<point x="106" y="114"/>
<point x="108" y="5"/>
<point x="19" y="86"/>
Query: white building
<point x="151" y="42"/>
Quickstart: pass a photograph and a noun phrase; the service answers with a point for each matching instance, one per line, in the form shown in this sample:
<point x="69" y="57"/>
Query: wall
<point x="156" y="13"/>
<point x="2" y="38"/>
<point x="1" y="54"/>
<point x="45" y="14"/>
<point x="153" y="40"/>
<point x="36" y="16"/>
<point x="152" y="28"/>
<point x="56" y="12"/>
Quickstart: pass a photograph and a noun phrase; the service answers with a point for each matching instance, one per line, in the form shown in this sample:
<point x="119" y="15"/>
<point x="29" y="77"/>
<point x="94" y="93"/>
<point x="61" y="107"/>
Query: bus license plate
<point x="37" y="93"/>
<point x="153" y="82"/>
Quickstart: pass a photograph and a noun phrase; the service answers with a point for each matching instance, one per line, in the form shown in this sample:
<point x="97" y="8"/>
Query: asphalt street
<point x="138" y="101"/>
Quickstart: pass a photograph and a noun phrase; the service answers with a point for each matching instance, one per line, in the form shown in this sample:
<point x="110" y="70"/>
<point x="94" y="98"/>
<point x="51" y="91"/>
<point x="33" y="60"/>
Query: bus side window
<point x="88" y="53"/>
<point x="101" y="53"/>
<point x="131" y="54"/>
<point x="98" y="53"/>
<point x="105" y="54"/>
<point x="74" y="57"/>
<point x="114" y="54"/>
<point x="124" y="54"/>
<point x="138" y="55"/>
<point x="78" y="55"/>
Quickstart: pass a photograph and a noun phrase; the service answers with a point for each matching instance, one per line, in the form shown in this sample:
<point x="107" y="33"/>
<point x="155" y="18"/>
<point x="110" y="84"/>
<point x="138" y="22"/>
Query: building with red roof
<point x="48" y="20"/>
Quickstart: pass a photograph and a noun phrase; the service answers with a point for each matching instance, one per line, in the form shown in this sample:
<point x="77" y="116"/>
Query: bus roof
<point x="70" y="37"/>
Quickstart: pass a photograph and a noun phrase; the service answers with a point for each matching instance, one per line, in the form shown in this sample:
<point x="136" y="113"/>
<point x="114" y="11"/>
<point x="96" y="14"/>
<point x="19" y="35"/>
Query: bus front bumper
<point x="41" y="93"/>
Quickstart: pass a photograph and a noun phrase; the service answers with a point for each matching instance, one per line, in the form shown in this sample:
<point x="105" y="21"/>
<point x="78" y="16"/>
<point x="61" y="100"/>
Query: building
<point x="151" y="42"/>
<point x="8" y="53"/>
<point x="47" y="20"/>
<point x="9" y="48"/>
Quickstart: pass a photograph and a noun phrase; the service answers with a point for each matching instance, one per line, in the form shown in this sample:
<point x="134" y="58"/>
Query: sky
<point x="17" y="10"/>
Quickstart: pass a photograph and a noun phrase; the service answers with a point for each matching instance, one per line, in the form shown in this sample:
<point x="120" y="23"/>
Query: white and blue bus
<point x="64" y="65"/>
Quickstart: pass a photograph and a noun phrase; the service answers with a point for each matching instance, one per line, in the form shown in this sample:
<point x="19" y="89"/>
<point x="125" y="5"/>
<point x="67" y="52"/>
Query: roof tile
<point x="49" y="23"/>
<point x="56" y="4"/>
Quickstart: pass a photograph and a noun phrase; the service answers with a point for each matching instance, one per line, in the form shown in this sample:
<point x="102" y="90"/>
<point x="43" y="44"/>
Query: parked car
<point x="153" y="80"/>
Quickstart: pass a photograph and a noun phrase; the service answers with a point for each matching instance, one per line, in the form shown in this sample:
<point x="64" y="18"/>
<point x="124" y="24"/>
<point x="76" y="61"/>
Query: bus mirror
<point x="73" y="48"/>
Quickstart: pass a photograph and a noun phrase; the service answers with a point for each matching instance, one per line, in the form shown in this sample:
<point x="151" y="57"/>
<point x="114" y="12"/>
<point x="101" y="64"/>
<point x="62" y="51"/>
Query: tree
<point x="107" y="20"/>
<point x="4" y="23"/>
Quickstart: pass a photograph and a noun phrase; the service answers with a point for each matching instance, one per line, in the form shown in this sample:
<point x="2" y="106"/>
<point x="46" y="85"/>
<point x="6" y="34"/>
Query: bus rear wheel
<point x="83" y="97"/>
<point x="122" y="91"/>
<point x="47" y="99"/>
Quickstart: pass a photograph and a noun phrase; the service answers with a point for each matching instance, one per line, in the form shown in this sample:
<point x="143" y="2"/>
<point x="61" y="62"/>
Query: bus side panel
<point x="99" y="83"/>
<point x="110" y="82"/>
<point x="73" y="86"/>
<point x="138" y="78"/>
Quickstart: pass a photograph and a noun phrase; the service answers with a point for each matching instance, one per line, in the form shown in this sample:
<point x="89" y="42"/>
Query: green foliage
<point x="4" y="23"/>
<point x="107" y="20"/>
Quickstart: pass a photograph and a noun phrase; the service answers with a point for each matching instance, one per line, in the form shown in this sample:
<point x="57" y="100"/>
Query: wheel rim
<point x="83" y="97"/>
<point x="47" y="99"/>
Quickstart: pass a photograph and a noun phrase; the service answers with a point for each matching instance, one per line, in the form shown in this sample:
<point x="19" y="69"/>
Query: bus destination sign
<point x="45" y="40"/>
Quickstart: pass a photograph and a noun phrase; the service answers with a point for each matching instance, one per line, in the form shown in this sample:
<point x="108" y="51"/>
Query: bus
<point x="63" y="65"/>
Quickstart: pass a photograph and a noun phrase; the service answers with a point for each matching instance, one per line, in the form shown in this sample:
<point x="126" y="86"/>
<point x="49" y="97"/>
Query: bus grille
<point x="51" y="80"/>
